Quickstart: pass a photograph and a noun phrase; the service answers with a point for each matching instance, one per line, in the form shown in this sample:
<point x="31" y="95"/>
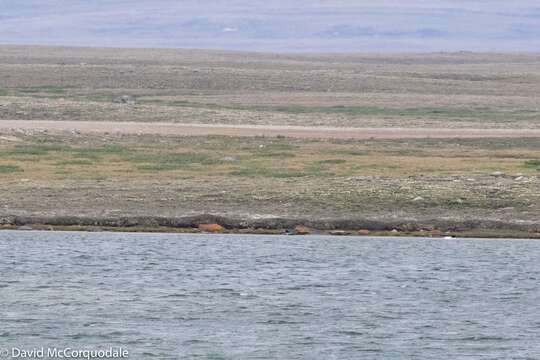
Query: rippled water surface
<point x="271" y="297"/>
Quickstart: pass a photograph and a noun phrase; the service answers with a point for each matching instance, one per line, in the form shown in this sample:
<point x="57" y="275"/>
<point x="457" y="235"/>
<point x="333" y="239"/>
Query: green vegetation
<point x="6" y="169"/>
<point x="332" y="161"/>
<point x="278" y="146"/>
<point x="44" y="148"/>
<point x="420" y="112"/>
<point x="36" y="149"/>
<point x="270" y="157"/>
<point x="46" y="89"/>
<point x="281" y="155"/>
<point x="535" y="164"/>
<point x="470" y="113"/>
<point x="96" y="98"/>
<point x="98" y="152"/>
<point x="88" y="104"/>
<point x="171" y="161"/>
<point x="268" y="172"/>
<point x="81" y="162"/>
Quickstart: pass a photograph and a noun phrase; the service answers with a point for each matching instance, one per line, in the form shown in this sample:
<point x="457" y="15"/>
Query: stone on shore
<point x="214" y="228"/>
<point x="301" y="230"/>
<point x="339" y="232"/>
<point x="435" y="232"/>
<point x="124" y="99"/>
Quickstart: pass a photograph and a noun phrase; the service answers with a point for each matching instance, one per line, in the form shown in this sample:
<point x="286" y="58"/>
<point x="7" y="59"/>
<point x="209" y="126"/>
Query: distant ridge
<point x="277" y="26"/>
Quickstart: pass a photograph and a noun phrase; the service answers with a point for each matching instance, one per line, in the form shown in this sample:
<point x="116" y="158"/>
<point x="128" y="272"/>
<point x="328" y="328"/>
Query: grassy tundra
<point x="465" y="185"/>
<point x="195" y="86"/>
<point x="111" y="176"/>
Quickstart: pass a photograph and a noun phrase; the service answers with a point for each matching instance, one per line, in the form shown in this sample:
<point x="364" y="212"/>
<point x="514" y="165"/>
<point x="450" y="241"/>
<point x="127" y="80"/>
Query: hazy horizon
<point x="278" y="26"/>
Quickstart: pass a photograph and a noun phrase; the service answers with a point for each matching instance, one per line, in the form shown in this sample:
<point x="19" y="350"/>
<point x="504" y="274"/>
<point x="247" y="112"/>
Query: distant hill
<point x="279" y="25"/>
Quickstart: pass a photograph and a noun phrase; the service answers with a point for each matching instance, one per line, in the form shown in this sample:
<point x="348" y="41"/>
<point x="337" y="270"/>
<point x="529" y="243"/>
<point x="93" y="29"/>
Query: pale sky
<point x="278" y="26"/>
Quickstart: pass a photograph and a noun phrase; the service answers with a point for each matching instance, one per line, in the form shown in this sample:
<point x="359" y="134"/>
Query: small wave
<point x="478" y="338"/>
<point x="168" y="296"/>
<point x="351" y="333"/>
<point x="195" y="342"/>
<point x="307" y="286"/>
<point x="279" y="322"/>
<point x="106" y="336"/>
<point x="146" y="353"/>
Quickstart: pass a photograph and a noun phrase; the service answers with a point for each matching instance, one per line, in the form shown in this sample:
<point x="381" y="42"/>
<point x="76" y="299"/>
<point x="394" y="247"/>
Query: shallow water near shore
<point x="179" y="296"/>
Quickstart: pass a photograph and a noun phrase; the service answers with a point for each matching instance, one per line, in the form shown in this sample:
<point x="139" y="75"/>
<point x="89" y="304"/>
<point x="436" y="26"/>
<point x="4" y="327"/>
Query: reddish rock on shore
<point x="301" y="230"/>
<point x="211" y="228"/>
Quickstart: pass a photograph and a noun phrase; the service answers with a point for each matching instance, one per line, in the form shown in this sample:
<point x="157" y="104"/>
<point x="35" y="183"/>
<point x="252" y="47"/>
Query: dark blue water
<point x="270" y="297"/>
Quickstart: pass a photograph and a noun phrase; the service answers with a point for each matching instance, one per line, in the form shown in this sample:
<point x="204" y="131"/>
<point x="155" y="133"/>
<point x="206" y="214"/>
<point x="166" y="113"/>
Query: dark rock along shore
<point x="431" y="227"/>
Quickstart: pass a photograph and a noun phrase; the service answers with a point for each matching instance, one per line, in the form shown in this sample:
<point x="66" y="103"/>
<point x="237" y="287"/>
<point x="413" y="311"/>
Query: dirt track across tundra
<point x="178" y="129"/>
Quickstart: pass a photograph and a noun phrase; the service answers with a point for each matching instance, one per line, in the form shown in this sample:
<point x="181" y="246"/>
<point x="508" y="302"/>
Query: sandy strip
<point x="179" y="129"/>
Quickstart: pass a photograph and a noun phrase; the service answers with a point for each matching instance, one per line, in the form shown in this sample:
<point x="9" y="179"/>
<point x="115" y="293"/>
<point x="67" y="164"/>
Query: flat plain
<point x="417" y="180"/>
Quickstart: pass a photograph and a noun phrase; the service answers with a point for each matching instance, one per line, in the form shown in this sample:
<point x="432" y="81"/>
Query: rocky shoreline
<point x="478" y="228"/>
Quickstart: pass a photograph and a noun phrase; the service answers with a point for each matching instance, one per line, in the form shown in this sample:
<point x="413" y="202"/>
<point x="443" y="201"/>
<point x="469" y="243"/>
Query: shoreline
<point x="208" y="223"/>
